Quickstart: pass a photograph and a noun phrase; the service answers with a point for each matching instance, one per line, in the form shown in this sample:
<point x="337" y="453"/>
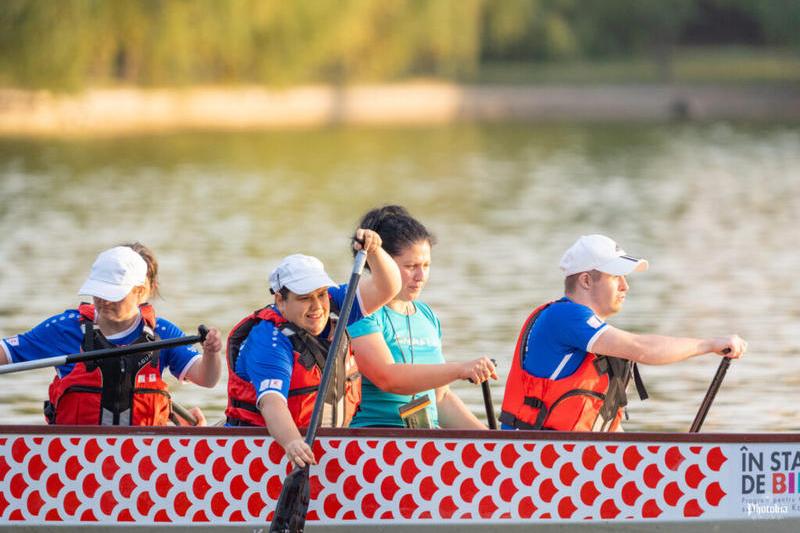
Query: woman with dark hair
<point x="398" y="348"/>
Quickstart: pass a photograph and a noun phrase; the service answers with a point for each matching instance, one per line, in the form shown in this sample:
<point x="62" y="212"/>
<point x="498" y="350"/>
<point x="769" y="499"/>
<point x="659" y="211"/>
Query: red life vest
<point x="593" y="398"/>
<point x="309" y="358"/>
<point x="119" y="391"/>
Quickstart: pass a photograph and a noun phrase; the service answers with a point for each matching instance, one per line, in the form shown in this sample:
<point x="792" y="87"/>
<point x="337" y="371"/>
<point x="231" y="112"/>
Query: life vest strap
<point x="239" y="404"/>
<point x="303" y="390"/>
<point x="511" y="420"/>
<point x="637" y="380"/>
<point x="577" y="392"/>
<point x="238" y="422"/>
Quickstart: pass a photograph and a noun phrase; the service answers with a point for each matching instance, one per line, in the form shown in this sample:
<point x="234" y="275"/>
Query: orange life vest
<point x="119" y="391"/>
<point x="309" y="359"/>
<point x="592" y="398"/>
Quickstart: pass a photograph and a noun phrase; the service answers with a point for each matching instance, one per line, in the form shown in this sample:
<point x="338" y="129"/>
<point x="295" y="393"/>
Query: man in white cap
<point x="559" y="380"/>
<point x="125" y="390"/>
<point x="276" y="354"/>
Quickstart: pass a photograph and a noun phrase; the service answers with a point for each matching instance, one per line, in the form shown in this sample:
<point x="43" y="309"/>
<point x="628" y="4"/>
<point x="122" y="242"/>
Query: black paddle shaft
<point x="292" y="506"/>
<point x="711" y="394"/>
<point x="487" y="402"/>
<point x="491" y="419"/>
<point x="184" y="413"/>
<point x="338" y="334"/>
<point x="105" y="353"/>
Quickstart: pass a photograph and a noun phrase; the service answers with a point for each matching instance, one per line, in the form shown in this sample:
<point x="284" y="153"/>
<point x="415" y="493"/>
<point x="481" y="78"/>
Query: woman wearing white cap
<point x="556" y="380"/>
<point x="125" y="390"/>
<point x="276" y="354"/>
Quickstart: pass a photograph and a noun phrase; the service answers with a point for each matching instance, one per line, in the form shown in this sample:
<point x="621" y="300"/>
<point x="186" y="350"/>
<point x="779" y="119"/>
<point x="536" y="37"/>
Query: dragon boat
<point x="229" y="479"/>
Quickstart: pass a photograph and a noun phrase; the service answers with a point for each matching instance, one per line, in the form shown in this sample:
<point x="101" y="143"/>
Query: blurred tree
<point x="629" y="27"/>
<point x="42" y="41"/>
<point x="70" y="44"/>
<point x="780" y="19"/>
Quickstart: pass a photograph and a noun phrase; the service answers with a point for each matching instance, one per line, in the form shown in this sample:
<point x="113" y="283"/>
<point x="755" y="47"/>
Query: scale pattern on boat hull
<point x="227" y="479"/>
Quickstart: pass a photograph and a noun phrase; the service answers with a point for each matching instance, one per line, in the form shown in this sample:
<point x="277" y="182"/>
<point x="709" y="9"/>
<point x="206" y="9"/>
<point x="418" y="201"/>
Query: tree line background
<point x="74" y="44"/>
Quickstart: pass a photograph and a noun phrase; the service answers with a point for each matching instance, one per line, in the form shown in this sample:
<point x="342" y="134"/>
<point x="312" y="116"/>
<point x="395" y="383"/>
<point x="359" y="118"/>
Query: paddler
<point x="399" y="347"/>
<point x="126" y="390"/>
<point x="276" y="354"/>
<point x="570" y="367"/>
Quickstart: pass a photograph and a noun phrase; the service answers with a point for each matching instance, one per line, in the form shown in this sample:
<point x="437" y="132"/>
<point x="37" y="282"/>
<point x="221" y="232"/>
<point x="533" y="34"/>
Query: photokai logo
<point x="758" y="509"/>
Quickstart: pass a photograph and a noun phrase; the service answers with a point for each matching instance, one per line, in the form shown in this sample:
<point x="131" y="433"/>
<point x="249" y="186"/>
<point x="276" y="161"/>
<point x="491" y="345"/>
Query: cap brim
<point x="107" y="291"/>
<point x="624" y="265"/>
<point x="309" y="284"/>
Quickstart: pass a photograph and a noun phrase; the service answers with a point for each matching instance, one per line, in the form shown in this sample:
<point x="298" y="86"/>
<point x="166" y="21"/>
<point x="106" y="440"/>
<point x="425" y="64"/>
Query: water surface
<point x="712" y="206"/>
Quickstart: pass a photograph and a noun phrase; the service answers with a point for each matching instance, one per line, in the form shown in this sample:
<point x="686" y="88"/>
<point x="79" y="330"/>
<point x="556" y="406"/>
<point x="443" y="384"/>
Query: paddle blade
<point x="290" y="512"/>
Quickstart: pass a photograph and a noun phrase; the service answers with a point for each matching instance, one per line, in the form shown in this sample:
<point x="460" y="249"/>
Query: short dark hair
<point x="396" y="227"/>
<point x="571" y="281"/>
<point x="284" y="292"/>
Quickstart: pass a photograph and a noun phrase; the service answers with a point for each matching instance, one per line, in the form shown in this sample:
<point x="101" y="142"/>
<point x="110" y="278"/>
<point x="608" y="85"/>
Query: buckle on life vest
<point x="511" y="420"/>
<point x="239" y="404"/>
<point x="49" y="412"/>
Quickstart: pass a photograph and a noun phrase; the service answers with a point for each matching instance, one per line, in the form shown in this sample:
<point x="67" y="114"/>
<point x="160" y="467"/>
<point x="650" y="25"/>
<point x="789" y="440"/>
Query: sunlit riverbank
<point x="134" y="111"/>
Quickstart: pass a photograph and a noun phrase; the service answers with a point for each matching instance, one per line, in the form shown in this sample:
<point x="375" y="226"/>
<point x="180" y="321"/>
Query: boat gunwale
<point x="404" y="434"/>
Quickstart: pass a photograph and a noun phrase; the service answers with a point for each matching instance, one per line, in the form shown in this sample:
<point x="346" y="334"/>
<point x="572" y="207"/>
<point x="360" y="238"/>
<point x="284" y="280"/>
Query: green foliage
<point x="71" y="44"/>
<point x="780" y="19"/>
<point x="628" y="27"/>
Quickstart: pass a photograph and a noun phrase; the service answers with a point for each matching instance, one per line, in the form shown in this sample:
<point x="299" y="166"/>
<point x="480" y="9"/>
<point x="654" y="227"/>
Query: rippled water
<point x="713" y="207"/>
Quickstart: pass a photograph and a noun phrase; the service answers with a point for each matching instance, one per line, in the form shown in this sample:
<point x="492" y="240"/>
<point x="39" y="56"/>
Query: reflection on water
<point x="712" y="207"/>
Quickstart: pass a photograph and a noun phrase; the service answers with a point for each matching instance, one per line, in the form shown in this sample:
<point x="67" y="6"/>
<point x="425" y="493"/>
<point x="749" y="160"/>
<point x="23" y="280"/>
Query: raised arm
<point x="662" y="350"/>
<point x="375" y="362"/>
<point x="384" y="282"/>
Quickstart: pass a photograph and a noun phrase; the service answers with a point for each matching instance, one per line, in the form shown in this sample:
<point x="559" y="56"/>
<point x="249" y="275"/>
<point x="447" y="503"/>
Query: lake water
<point x="712" y="206"/>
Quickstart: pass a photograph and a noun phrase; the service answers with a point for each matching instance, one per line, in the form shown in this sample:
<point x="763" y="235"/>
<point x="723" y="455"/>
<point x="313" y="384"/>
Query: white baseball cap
<point x="114" y="273"/>
<point x="598" y="252"/>
<point x="299" y="273"/>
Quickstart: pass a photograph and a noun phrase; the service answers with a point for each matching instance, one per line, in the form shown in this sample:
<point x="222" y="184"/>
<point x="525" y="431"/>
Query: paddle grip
<point x="203" y="331"/>
<point x="495" y="366"/>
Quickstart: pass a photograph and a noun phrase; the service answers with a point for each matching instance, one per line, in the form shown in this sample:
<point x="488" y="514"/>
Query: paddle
<point x="105" y="353"/>
<point x="184" y="413"/>
<point x="290" y="512"/>
<point x="711" y="393"/>
<point x="487" y="402"/>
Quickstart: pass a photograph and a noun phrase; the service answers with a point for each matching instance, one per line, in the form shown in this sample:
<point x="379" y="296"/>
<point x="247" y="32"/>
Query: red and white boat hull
<point x="400" y="479"/>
